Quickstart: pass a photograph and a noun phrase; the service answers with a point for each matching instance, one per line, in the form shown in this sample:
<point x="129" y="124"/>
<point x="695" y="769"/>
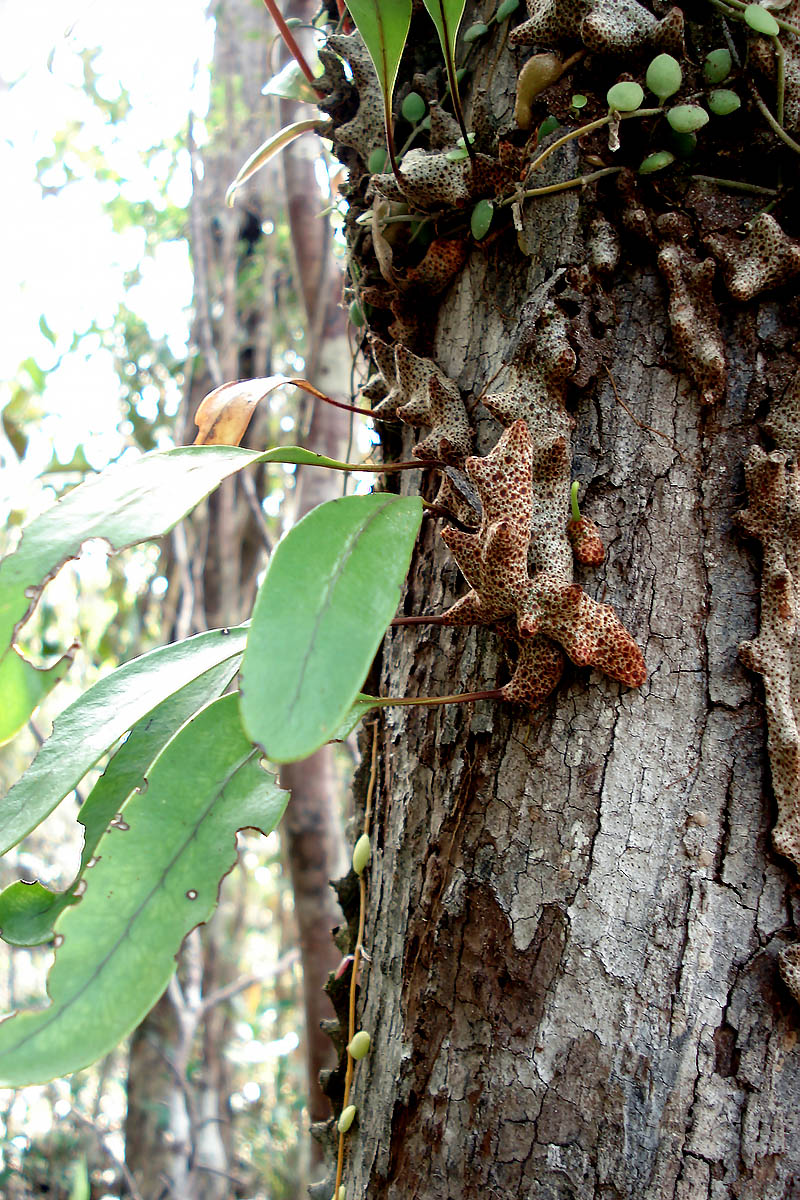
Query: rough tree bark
<point x="575" y="914"/>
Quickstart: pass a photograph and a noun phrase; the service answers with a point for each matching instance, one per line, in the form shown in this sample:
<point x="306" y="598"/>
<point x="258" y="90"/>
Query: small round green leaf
<point x="579" y="100"/>
<point x="347" y="1117"/>
<point x="355" y="314"/>
<point x="664" y="76"/>
<point x="717" y="65"/>
<point x="456" y="154"/>
<point x="359" y="1046"/>
<point x="549" y="125"/>
<point x="625" y="96"/>
<point x="722" y="102"/>
<point x="505" y="10"/>
<point x="687" y="118"/>
<point x="761" y="21"/>
<point x="475" y="31"/>
<point x="377" y="160"/>
<point x="656" y="162"/>
<point x="413" y="107"/>
<point x="361" y="853"/>
<point x="481" y="220"/>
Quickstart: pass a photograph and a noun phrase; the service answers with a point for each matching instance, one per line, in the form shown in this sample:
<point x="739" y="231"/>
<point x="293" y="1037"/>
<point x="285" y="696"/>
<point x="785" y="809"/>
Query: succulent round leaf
<point x="717" y="65"/>
<point x="625" y="97"/>
<point x="664" y="76"/>
<point x="761" y="21"/>
<point x="722" y="102"/>
<point x="687" y="118"/>
<point x="656" y="162"/>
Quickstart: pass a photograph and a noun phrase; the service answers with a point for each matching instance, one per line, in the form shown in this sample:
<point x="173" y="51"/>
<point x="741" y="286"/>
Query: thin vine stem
<point x="362" y="911"/>
<point x="777" y="129"/>
<point x="578" y="181"/>
<point x="291" y="44"/>
<point x="590" y="128"/>
<point x="736" y="185"/>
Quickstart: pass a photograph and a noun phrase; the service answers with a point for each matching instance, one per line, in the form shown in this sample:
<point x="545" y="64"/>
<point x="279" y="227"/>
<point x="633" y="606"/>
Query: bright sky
<point x="60" y="257"/>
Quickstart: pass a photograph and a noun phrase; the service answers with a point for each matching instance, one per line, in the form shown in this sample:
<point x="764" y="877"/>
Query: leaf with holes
<point x="125" y="504"/>
<point x="155" y="877"/>
<point x="94" y="722"/>
<point x="29" y="910"/>
<point x="331" y="589"/>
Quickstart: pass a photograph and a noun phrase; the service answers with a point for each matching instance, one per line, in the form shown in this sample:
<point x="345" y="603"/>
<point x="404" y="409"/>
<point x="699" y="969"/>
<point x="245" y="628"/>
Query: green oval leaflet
<point x="355" y="314"/>
<point x="664" y="76"/>
<point x="579" y="100"/>
<point x="625" y="96"/>
<point x="475" y="31"/>
<point x="481" y="219"/>
<point x="505" y="10"/>
<point x="377" y="160"/>
<point x="656" y="162"/>
<point x="723" y="102"/>
<point x="761" y="21"/>
<point x="687" y="118"/>
<point x="413" y="107"/>
<point x="717" y="65"/>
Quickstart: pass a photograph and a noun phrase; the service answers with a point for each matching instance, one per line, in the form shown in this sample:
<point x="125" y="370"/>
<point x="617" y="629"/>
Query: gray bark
<point x="574" y="917"/>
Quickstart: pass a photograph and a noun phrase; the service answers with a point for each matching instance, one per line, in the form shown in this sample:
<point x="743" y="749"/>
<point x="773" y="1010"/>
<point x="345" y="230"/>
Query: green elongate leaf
<point x="29" y="910"/>
<point x="331" y="589"/>
<point x="156" y="876"/>
<point x="128" y="503"/>
<point x="94" y="722"/>
<point x="384" y="24"/>
<point x="267" y="150"/>
<point x="24" y="687"/>
<point x="446" y="16"/>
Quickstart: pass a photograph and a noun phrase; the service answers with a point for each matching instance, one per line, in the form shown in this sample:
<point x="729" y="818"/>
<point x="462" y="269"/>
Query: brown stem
<point x="430" y="701"/>
<point x="291" y="44"/>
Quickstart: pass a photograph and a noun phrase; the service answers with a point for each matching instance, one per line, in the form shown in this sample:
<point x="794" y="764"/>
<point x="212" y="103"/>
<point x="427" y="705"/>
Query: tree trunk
<point x="575" y="913"/>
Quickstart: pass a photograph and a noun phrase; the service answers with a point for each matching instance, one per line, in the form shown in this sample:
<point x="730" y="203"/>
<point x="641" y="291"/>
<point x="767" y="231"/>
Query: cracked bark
<point x="573" y="920"/>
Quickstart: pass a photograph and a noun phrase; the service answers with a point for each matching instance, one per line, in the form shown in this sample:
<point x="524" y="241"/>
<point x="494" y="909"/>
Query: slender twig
<point x="291" y="44"/>
<point x="780" y="87"/>
<point x="357" y="953"/>
<point x="430" y="701"/>
<point x="736" y="185"/>
<point x="777" y="129"/>
<point x="119" y="1163"/>
<point x="578" y="181"/>
<point x="590" y="128"/>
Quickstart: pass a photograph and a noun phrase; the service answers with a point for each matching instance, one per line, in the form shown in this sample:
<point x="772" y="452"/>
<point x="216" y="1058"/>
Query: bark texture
<point x="574" y="917"/>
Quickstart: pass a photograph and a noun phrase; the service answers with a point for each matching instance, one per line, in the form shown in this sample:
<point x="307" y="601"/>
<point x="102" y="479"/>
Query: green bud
<point x="359" y="1046"/>
<point x="362" y="852"/>
<point x="722" y="102"/>
<point x="505" y="10"/>
<point x="476" y="31"/>
<point x="717" y="66"/>
<point x="761" y="21"/>
<point x="687" y="118"/>
<point x="625" y="96"/>
<point x="413" y="107"/>
<point x="481" y="219"/>
<point x="664" y="76"/>
<point x="347" y="1117"/>
<point x="377" y="160"/>
<point x="656" y="162"/>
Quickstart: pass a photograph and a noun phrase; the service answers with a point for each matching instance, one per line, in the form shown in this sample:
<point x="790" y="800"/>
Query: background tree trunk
<point x="574" y="916"/>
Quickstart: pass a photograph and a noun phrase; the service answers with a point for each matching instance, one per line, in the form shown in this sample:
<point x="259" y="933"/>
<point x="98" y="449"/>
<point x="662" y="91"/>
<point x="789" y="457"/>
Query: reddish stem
<point x="432" y="620"/>
<point x="291" y="44"/>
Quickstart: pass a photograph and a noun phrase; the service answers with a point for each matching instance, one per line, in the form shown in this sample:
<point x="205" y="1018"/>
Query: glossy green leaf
<point x="446" y="16"/>
<point x="330" y="591"/>
<point x="723" y="102"/>
<point x="94" y="722"/>
<point x="266" y="151"/>
<point x="717" y="65"/>
<point x="24" y="688"/>
<point x="625" y="97"/>
<point x="125" y="504"/>
<point x="383" y="24"/>
<point x="28" y="911"/>
<point x="155" y="877"/>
